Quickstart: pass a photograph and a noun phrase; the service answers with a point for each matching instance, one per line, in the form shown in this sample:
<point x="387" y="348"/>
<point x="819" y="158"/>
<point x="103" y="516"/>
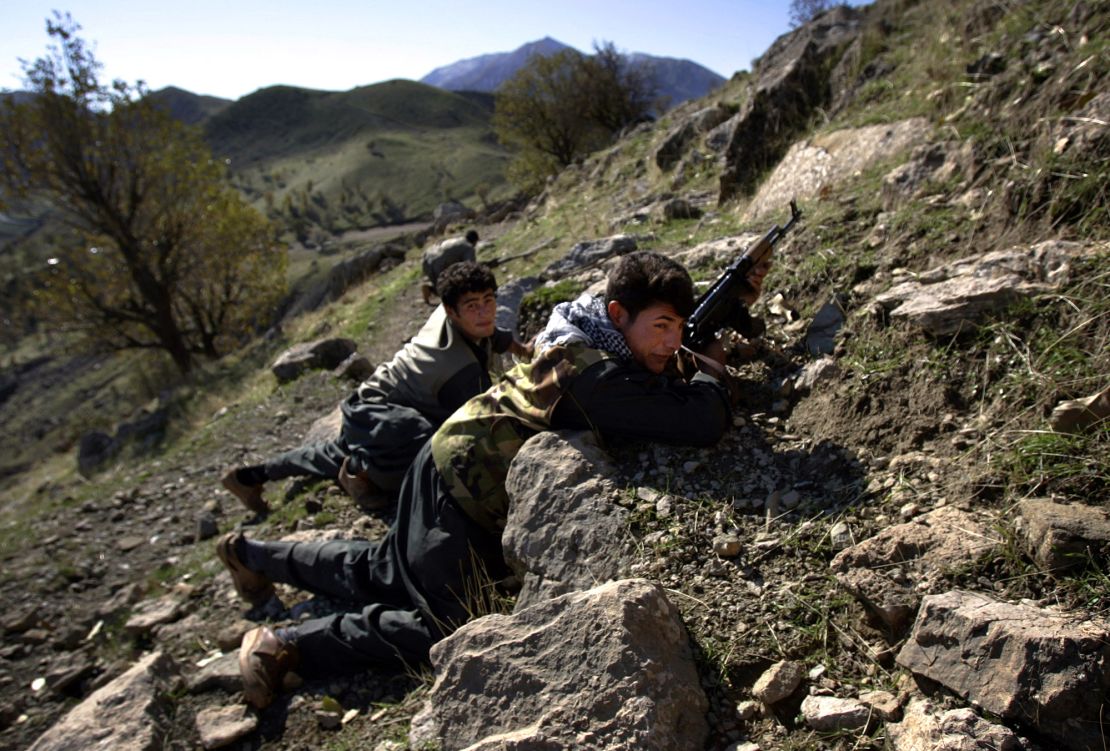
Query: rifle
<point x="721" y="307"/>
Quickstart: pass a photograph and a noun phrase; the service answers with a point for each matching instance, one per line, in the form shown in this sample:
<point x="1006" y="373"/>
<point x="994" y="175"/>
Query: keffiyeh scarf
<point x="583" y="320"/>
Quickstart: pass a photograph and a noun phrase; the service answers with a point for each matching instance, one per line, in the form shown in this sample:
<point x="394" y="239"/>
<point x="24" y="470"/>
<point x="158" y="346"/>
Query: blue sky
<point x="231" y="48"/>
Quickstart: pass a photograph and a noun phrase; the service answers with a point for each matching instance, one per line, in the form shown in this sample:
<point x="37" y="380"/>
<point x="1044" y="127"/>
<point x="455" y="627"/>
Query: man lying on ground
<point x="601" y="367"/>
<point x="394" y="412"/>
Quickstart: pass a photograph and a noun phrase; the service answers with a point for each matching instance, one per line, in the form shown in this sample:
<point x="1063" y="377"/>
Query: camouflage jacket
<point x="567" y="386"/>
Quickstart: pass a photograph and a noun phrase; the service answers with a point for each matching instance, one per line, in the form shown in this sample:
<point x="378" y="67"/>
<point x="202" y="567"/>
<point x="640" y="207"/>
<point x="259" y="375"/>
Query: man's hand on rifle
<point x="755" y="281"/>
<point x="522" y="351"/>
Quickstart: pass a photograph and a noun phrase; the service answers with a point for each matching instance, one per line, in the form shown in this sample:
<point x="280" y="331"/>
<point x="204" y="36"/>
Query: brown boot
<point x="264" y="662"/>
<point x="252" y="587"/>
<point x="366" y="494"/>
<point x="250" y="495"/>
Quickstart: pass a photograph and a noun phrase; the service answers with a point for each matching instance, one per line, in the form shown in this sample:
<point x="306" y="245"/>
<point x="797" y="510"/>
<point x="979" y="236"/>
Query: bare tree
<point x="804" y="11"/>
<point x="162" y="253"/>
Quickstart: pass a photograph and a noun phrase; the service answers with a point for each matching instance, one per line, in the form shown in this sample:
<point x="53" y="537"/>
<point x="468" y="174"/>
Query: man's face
<point x="653" y="336"/>
<point x="474" y="314"/>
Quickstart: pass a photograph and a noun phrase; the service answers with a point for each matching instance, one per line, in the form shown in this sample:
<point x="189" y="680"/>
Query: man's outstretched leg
<point x="312" y="460"/>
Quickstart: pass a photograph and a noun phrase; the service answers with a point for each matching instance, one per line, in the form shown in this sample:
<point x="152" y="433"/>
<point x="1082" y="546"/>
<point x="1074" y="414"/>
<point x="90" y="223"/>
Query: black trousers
<point x="430" y="573"/>
<point x="380" y="437"/>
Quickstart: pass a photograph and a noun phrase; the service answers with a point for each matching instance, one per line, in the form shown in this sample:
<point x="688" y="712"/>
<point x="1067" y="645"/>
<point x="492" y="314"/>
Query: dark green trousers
<point x="381" y="438"/>
<point x="427" y="576"/>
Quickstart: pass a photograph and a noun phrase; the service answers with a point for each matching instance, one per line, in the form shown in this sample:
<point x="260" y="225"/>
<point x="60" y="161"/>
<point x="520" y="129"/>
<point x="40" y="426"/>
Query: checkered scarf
<point x="583" y="320"/>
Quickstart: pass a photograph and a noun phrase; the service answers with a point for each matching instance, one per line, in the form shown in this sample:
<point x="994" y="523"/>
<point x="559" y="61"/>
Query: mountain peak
<point x="679" y="80"/>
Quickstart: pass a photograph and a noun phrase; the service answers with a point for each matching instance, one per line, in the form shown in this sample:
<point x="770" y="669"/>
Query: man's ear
<point x="618" y="314"/>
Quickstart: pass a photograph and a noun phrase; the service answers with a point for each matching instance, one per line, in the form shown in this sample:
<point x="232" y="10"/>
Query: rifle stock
<point x="721" y="307"/>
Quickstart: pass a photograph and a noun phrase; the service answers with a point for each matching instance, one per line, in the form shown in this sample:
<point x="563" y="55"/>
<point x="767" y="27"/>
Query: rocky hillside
<point x="903" y="543"/>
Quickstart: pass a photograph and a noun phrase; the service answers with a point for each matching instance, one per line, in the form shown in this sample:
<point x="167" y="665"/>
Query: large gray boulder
<point x="132" y="713"/>
<point x="889" y="572"/>
<point x="322" y="353"/>
<point x="609" y="668"/>
<point x="450" y="212"/>
<point x="1025" y="664"/>
<point x="590" y="252"/>
<point x="564" y="529"/>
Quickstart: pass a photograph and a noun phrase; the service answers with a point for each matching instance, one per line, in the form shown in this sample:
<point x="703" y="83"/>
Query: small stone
<point x="690" y="466"/>
<point x="129" y="543"/>
<point x="779" y="681"/>
<point x="790" y="499"/>
<point x="230" y="637"/>
<point x="883" y="703"/>
<point x="207" y="527"/>
<point x="727" y="546"/>
<point x="153" y="613"/>
<point x="222" y="726"/>
<point x="222" y="673"/>
<point x="909" y="511"/>
<point x="328" y="720"/>
<point x="840" y="536"/>
<point x="748" y="709"/>
<point x="833" y="713"/>
<point x="664" y="507"/>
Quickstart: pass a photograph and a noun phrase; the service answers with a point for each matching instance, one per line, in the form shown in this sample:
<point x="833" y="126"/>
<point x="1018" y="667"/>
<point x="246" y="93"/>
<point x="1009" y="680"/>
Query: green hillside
<point x="326" y="162"/>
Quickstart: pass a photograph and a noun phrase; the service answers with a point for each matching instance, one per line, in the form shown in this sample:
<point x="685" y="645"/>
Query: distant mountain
<point x="679" y="80"/>
<point x="188" y="107"/>
<point x="487" y="72"/>
<point x="16" y="97"/>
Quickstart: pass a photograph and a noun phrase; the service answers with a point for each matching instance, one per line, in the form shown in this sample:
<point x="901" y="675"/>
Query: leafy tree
<point x="558" y="108"/>
<point x="804" y="11"/>
<point x="615" y="92"/>
<point x="163" y="254"/>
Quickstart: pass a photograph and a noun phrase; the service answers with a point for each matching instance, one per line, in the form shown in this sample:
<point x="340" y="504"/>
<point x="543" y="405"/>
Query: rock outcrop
<point x="790" y="82"/>
<point x="1025" y="664"/>
<point x="954" y="297"/>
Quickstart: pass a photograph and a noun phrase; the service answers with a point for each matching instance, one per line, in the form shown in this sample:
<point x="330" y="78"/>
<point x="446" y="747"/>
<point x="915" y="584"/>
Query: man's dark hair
<point x="459" y="278"/>
<point x="472" y="237"/>
<point x="643" y="278"/>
